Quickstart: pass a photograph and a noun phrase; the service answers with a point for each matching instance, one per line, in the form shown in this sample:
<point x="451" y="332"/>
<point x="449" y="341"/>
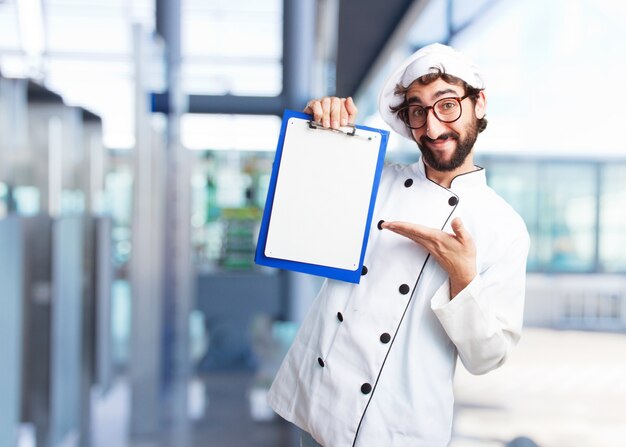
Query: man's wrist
<point x="457" y="284"/>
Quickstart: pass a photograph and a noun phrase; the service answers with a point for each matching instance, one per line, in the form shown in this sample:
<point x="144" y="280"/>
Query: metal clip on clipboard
<point x="316" y="125"/>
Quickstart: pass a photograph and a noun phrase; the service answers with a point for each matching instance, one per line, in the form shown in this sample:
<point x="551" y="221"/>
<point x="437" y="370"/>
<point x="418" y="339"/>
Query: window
<point x="518" y="183"/>
<point x="567" y="218"/>
<point x="232" y="47"/>
<point x="612" y="236"/>
<point x="576" y="223"/>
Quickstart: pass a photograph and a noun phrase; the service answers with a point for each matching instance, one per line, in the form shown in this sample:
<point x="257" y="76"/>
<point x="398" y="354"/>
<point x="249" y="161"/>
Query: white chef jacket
<point x="373" y="363"/>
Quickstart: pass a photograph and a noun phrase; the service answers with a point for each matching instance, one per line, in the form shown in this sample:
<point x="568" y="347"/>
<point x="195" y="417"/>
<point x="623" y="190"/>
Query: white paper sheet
<point x="322" y="198"/>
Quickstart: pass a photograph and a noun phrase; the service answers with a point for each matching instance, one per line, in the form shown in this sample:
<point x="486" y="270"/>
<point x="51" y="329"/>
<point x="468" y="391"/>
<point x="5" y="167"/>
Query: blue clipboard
<point x="321" y="198"/>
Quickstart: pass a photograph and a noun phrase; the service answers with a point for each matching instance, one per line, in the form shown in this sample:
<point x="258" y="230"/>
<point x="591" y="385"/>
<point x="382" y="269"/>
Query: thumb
<point x="351" y="109"/>
<point x="459" y="228"/>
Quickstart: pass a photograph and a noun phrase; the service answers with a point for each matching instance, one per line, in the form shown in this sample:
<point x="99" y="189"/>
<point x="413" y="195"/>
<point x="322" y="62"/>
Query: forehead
<point x="433" y="91"/>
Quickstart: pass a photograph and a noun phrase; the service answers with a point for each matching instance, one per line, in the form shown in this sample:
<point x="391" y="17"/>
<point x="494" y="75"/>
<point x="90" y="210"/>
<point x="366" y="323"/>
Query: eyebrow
<point x="438" y="94"/>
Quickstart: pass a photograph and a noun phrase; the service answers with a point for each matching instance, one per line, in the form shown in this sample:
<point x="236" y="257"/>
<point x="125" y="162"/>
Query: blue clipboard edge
<point x="353" y="276"/>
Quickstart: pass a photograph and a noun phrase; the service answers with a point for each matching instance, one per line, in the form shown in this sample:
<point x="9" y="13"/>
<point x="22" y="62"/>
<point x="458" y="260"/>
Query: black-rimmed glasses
<point x="446" y="110"/>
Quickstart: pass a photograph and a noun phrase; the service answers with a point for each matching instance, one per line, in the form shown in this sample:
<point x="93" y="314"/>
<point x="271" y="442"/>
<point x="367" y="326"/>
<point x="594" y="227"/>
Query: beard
<point x="463" y="148"/>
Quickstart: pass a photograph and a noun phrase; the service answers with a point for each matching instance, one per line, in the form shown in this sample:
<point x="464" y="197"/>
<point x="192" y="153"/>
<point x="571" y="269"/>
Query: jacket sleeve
<point x="484" y="320"/>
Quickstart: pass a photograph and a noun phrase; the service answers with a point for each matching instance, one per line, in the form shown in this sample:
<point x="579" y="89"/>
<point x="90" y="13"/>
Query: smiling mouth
<point x="439" y="140"/>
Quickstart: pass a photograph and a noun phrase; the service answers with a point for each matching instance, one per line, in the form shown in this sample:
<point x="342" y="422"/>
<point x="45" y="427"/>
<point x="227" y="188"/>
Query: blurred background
<point x="136" y="144"/>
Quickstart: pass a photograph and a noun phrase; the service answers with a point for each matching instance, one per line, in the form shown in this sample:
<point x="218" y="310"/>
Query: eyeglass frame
<point x="404" y="116"/>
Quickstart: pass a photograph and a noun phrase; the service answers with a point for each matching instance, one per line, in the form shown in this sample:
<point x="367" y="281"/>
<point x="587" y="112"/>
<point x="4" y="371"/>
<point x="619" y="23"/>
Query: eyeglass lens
<point x="446" y="110"/>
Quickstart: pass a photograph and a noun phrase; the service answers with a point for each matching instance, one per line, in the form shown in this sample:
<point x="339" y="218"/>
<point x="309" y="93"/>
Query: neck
<point x="444" y="178"/>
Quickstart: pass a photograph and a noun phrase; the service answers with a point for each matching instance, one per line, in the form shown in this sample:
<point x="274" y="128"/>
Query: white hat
<point x="426" y="60"/>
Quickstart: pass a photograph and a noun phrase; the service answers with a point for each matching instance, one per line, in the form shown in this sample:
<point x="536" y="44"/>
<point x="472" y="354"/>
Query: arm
<point x="456" y="252"/>
<point x="484" y="318"/>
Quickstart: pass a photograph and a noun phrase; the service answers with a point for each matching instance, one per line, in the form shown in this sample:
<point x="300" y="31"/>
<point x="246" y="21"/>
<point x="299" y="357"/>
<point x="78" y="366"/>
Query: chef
<point x="443" y="277"/>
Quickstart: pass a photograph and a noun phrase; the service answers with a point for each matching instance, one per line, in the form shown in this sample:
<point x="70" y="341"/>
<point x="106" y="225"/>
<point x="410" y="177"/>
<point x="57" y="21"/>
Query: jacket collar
<point x="476" y="177"/>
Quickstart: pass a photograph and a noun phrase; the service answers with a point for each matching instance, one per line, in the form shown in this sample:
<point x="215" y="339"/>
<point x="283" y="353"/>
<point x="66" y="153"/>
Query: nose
<point x="434" y="127"/>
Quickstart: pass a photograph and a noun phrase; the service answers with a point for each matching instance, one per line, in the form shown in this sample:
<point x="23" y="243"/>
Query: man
<point x="444" y="276"/>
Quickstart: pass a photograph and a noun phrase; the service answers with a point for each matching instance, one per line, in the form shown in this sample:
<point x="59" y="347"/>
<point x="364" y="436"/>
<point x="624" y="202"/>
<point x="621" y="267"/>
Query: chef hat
<point x="426" y="60"/>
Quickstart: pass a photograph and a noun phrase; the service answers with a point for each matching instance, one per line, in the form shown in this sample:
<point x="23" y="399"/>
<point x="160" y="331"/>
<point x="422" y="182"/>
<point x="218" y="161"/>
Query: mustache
<point x="453" y="135"/>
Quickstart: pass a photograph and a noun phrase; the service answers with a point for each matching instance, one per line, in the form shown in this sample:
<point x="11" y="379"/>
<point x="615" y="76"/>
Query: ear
<point x="480" y="108"/>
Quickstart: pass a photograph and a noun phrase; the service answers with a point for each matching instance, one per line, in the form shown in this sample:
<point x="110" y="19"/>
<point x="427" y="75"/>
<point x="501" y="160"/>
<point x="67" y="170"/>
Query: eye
<point x="416" y="111"/>
<point x="447" y="106"/>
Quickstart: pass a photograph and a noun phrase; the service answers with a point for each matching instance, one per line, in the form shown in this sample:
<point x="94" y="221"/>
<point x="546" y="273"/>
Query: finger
<point x="325" y="112"/>
<point x="335" y="112"/>
<point x="344" y="113"/>
<point x="418" y="233"/>
<point x="314" y="107"/>
<point x="459" y="229"/>
<point x="309" y="106"/>
<point x="352" y="110"/>
<point x="404" y="226"/>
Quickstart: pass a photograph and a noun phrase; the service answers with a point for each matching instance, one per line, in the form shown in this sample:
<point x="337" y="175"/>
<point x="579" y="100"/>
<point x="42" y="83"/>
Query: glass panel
<point x="9" y="32"/>
<point x="232" y="47"/>
<point x="89" y="58"/>
<point x="233" y="33"/>
<point x="119" y="188"/>
<point x="518" y="184"/>
<point x="567" y="218"/>
<point x="11" y="344"/>
<point x="26" y="200"/>
<point x="558" y="203"/>
<point x="66" y="337"/>
<point x="4" y="200"/>
<point x="94" y="26"/>
<point x="250" y="77"/>
<point x="613" y="219"/>
<point x="121" y="303"/>
<point x="76" y="33"/>
<point x="104" y="88"/>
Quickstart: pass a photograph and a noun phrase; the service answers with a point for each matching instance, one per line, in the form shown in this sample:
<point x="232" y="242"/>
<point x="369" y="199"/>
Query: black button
<point x="385" y="338"/>
<point x="453" y="201"/>
<point x="364" y="271"/>
<point x="380" y="224"/>
<point x="408" y="182"/>
<point x="404" y="289"/>
<point x="320" y="361"/>
<point x="366" y="388"/>
<point x="339" y="316"/>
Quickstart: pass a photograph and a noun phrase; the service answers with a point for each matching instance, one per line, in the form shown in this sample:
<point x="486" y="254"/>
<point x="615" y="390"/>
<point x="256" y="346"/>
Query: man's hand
<point x="456" y="253"/>
<point x="332" y="111"/>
